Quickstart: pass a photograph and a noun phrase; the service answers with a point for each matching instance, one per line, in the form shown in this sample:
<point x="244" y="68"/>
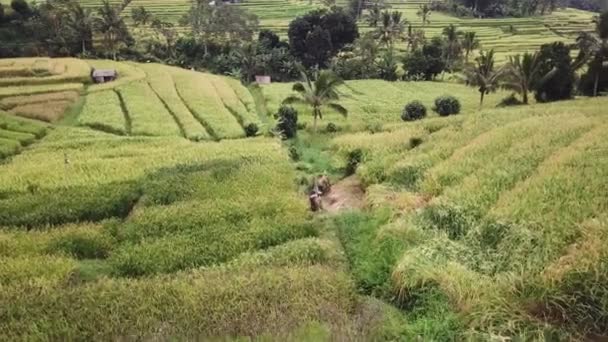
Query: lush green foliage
<point x="413" y="111"/>
<point x="447" y="105"/>
<point x="287" y="122"/>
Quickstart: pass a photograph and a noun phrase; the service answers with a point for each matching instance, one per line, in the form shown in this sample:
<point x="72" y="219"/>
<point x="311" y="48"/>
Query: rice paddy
<point x="148" y="214"/>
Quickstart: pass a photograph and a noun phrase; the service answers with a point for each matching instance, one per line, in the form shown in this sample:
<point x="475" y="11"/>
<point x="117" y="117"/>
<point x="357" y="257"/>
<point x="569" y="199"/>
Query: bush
<point x="294" y="153"/>
<point x="509" y="101"/>
<point x="251" y="130"/>
<point x="447" y="105"/>
<point x="414" y="110"/>
<point x="354" y="158"/>
<point x="288" y="122"/>
<point x="332" y="128"/>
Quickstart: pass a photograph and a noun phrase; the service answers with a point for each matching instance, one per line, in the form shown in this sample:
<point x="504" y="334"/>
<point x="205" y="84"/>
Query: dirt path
<point x="345" y="195"/>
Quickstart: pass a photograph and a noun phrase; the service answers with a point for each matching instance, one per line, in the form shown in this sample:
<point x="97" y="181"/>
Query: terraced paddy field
<point x="144" y="213"/>
<point x="506" y="36"/>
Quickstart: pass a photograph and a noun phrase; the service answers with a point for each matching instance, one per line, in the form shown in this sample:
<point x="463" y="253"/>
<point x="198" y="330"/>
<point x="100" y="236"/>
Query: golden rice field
<point x="144" y="213"/>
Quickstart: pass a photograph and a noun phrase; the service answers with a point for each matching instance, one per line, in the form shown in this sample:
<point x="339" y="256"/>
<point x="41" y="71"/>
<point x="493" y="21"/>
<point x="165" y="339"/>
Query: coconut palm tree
<point x="424" y="12"/>
<point x="374" y="16"/>
<point x="453" y="47"/>
<point x="112" y="26"/>
<point x="523" y="74"/>
<point x="593" y="48"/>
<point x="483" y="75"/>
<point x="414" y="38"/>
<point x="469" y="43"/>
<point x="392" y="27"/>
<point x="318" y="93"/>
<point x="81" y="21"/>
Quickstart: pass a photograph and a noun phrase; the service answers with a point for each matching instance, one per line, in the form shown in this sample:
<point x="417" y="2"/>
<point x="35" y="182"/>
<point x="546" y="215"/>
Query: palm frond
<point x="299" y="87"/>
<point x="294" y="100"/>
<point x="338" y="108"/>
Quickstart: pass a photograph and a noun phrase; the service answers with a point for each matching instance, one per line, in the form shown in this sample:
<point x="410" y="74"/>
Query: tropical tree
<point x="111" y="25"/>
<point x="374" y="16"/>
<point x="593" y="48"/>
<point x="523" y="74"/>
<point x="469" y="43"/>
<point x="424" y="12"/>
<point x="414" y="38"/>
<point x="318" y="93"/>
<point x="81" y="21"/>
<point x="452" y="47"/>
<point x="141" y="16"/>
<point x="392" y="28"/>
<point x="483" y="75"/>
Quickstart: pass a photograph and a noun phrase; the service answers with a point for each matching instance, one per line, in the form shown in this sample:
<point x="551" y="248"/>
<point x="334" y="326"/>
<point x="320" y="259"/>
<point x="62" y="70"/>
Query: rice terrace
<point x="303" y="170"/>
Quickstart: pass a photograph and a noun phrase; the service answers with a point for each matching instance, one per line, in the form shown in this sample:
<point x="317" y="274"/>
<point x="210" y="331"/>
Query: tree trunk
<point x="314" y="123"/>
<point x="596" y="83"/>
<point x="84" y="47"/>
<point x="483" y="93"/>
<point x="525" y="96"/>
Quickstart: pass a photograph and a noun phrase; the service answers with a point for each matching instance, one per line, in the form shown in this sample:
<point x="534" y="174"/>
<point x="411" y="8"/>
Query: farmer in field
<point x="321" y="187"/>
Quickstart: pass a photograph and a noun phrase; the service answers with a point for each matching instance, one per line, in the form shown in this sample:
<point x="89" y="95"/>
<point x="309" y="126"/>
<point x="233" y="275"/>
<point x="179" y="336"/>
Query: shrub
<point x="510" y="100"/>
<point x="354" y="158"/>
<point x="294" y="153"/>
<point x="447" y="105"/>
<point x="251" y="130"/>
<point x="332" y="128"/>
<point x="414" y="110"/>
<point x="288" y="122"/>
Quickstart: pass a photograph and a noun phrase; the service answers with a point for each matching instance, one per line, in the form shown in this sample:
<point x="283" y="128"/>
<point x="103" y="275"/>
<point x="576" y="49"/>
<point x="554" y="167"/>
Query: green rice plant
<point x="12" y="123"/>
<point x="271" y="302"/>
<point x="201" y="97"/>
<point x="8" y="147"/>
<point x="307" y="251"/>
<point x="161" y="82"/>
<point x="39" y="207"/>
<point x="79" y="240"/>
<point x="44" y="268"/>
<point x="241" y="107"/>
<point x="81" y="243"/>
<point x="23" y="138"/>
<point x="102" y="110"/>
<point x="146" y="112"/>
<point x="555" y="199"/>
<point x="11" y="102"/>
<point x="52" y="71"/>
<point x="39" y="89"/>
<point x="483" y="189"/>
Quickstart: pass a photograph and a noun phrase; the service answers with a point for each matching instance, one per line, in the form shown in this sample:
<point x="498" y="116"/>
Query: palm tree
<point x="367" y="47"/>
<point x="483" y="75"/>
<point x="593" y="48"/>
<point x="523" y="74"/>
<point x="111" y="25"/>
<point x="374" y="16"/>
<point x="392" y="27"/>
<point x="81" y="21"/>
<point x="317" y="94"/>
<point x="141" y="16"/>
<point x="424" y="12"/>
<point x="414" y="38"/>
<point x="469" y="43"/>
<point x="452" y="44"/>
